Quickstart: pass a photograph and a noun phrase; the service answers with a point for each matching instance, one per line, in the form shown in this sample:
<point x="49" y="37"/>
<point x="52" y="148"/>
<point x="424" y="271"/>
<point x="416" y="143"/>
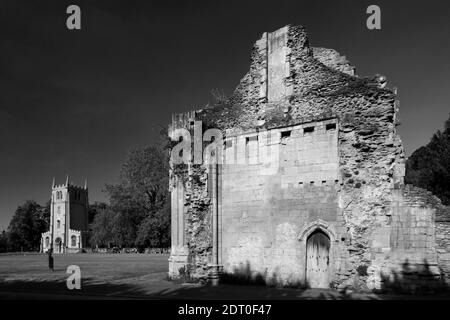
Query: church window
<point x="74" y="241"/>
<point x="58" y="224"/>
<point x="47" y="241"/>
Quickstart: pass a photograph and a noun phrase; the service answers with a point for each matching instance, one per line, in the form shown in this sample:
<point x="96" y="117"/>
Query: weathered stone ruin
<point x="309" y="189"/>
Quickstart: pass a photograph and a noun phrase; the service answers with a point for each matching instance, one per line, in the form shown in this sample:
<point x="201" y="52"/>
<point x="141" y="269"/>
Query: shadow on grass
<point x="57" y="289"/>
<point x="242" y="292"/>
<point x="242" y="283"/>
<point x="414" y="279"/>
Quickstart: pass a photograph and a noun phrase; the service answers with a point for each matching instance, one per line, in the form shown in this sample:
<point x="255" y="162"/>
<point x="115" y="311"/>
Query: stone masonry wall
<point x="331" y="58"/>
<point x="404" y="251"/>
<point x="272" y="190"/>
<point x="443" y="248"/>
<point x="443" y="239"/>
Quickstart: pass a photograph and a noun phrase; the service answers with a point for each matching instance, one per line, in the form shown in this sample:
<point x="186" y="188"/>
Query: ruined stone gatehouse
<point x="309" y="187"/>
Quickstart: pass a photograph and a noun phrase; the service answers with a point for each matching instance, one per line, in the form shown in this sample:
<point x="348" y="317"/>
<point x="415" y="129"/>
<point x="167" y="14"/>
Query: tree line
<point x="137" y="215"/>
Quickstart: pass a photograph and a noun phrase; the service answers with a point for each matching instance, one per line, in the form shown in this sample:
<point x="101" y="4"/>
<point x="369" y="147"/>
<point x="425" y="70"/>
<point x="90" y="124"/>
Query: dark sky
<point x="74" y="102"/>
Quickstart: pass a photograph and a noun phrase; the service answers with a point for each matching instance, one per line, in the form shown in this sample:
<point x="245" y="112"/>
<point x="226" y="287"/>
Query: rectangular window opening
<point x="228" y="143"/>
<point x="285" y="134"/>
<point x="248" y="139"/>
<point x="330" y="126"/>
<point x="308" y="130"/>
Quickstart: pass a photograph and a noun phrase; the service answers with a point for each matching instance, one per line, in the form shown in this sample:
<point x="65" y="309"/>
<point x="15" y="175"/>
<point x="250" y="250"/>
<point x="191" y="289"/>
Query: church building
<point x="68" y="219"/>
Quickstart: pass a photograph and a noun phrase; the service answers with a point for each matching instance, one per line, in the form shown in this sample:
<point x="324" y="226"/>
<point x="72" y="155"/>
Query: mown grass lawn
<point x="134" y="276"/>
<point x="102" y="266"/>
<point x="101" y="274"/>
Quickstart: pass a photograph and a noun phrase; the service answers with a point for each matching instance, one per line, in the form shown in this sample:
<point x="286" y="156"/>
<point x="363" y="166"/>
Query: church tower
<point x="68" y="219"/>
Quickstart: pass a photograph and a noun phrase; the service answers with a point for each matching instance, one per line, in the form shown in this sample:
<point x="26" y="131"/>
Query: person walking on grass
<point x="50" y="259"/>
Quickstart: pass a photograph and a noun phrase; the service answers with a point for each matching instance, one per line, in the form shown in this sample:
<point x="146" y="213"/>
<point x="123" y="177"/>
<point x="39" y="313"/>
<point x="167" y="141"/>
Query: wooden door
<point x="58" y="245"/>
<point x="317" y="260"/>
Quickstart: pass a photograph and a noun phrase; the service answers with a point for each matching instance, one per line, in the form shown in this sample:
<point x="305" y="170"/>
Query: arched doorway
<point x="58" y="244"/>
<point x="318" y="260"/>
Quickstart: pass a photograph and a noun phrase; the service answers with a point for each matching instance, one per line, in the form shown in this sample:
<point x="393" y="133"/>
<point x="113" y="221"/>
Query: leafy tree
<point x="94" y="209"/>
<point x="141" y="197"/>
<point x="103" y="228"/>
<point x="3" y="241"/>
<point x="126" y="225"/>
<point x="45" y="213"/>
<point x="143" y="181"/>
<point x="138" y="211"/>
<point x="429" y="166"/>
<point x="154" y="231"/>
<point x="26" y="226"/>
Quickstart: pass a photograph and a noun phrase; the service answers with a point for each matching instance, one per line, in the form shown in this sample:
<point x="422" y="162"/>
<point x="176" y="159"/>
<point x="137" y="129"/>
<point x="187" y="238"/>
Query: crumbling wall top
<point x="290" y="82"/>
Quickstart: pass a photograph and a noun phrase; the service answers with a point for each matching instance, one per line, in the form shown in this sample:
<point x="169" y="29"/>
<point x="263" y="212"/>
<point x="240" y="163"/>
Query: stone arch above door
<point x="321" y="225"/>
